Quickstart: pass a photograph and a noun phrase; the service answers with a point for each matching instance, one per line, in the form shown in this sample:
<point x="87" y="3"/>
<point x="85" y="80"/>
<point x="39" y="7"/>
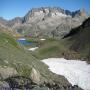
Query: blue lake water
<point x="24" y="42"/>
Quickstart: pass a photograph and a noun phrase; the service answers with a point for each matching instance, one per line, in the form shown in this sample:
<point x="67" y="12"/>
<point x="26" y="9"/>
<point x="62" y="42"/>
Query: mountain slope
<point x="17" y="64"/>
<point x="79" y="39"/>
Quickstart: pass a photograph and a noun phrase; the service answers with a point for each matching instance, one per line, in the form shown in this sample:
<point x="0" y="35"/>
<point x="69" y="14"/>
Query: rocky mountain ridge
<point x="45" y="21"/>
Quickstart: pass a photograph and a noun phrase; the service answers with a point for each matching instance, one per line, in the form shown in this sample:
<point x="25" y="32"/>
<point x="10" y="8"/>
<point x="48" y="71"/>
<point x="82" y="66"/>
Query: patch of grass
<point x="49" y="49"/>
<point x="23" y="70"/>
<point x="7" y="39"/>
<point x="56" y="49"/>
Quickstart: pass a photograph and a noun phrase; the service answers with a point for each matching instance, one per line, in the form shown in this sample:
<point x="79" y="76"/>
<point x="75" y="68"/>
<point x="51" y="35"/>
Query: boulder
<point x="6" y="72"/>
<point x="3" y="84"/>
<point x="35" y="76"/>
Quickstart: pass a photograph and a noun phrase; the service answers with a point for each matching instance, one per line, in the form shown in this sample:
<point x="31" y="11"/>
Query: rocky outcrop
<point x="9" y="79"/>
<point x="35" y="76"/>
<point x="3" y="84"/>
<point x="6" y="72"/>
<point x="23" y="83"/>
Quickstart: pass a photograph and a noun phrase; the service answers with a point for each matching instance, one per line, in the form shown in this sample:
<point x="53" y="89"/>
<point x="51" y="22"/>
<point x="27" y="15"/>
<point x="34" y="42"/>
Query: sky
<point x="10" y="9"/>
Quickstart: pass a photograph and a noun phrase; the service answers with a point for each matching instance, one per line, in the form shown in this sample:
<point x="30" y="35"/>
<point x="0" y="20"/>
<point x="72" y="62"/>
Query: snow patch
<point x="33" y="49"/>
<point x="77" y="72"/>
<point x="42" y="39"/>
<point x="58" y="14"/>
<point x="21" y="39"/>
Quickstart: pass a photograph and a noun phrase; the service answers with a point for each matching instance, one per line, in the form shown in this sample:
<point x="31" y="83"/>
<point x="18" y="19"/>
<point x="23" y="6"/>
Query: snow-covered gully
<point x="33" y="49"/>
<point x="77" y="72"/>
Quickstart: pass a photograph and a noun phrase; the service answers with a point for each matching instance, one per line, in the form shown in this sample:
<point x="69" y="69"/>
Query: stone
<point x="35" y="75"/>
<point x="6" y="72"/>
<point x="3" y="84"/>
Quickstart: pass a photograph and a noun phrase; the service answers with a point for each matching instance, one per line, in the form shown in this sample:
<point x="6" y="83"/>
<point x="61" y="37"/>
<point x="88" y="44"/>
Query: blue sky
<point x="14" y="8"/>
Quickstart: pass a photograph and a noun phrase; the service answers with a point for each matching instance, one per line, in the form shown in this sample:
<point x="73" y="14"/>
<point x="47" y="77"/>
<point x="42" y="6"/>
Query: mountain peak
<point x="49" y="10"/>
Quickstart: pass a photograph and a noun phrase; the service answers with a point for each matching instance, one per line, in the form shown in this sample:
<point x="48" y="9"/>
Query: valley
<point x="47" y="49"/>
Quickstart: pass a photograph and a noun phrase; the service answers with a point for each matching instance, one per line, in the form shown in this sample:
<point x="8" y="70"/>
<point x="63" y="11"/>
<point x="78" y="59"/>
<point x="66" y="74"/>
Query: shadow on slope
<point x="79" y="39"/>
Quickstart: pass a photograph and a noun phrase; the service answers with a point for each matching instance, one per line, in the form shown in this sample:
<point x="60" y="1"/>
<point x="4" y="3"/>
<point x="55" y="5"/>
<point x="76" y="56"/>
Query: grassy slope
<point x="12" y="52"/>
<point x="22" y="60"/>
<point x="54" y="48"/>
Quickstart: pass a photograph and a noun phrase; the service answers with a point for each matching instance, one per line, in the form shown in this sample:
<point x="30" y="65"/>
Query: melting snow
<point x="76" y="72"/>
<point x="33" y="49"/>
<point x="58" y="14"/>
<point x="21" y="39"/>
<point x="42" y="39"/>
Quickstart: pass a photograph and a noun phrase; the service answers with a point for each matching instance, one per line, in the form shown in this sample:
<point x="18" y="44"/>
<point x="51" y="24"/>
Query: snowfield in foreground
<point x="76" y="72"/>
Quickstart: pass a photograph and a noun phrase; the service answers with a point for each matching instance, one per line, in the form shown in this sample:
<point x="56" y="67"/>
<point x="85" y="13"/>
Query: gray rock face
<point x="23" y="83"/>
<point x="6" y="72"/>
<point x="35" y="76"/>
<point x="3" y="84"/>
<point x="43" y="21"/>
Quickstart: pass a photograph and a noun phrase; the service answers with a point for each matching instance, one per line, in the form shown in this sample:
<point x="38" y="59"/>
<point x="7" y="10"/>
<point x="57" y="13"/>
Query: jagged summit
<point x="55" y="9"/>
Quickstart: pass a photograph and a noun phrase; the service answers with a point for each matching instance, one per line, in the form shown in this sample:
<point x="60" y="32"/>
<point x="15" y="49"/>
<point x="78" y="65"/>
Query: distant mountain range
<point x="47" y="21"/>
